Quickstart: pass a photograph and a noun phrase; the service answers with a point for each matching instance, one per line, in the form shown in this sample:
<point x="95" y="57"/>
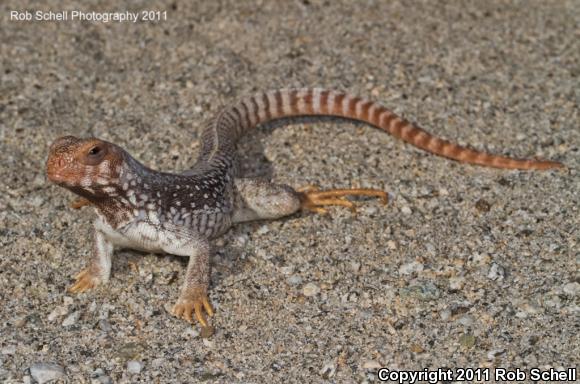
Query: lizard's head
<point x="85" y="166"/>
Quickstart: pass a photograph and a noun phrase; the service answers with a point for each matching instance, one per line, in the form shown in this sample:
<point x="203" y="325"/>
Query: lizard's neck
<point x="132" y="193"/>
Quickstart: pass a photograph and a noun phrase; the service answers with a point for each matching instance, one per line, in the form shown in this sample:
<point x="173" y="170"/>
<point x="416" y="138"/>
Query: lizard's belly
<point x="166" y="236"/>
<point x="136" y="235"/>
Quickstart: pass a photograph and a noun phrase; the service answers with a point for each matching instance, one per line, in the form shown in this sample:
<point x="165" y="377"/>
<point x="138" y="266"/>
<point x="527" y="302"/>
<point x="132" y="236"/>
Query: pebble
<point x="71" y="319"/>
<point x="134" y="366"/>
<point x="456" y="283"/>
<point x="104" y="380"/>
<point x="294" y="280"/>
<point x="287" y="270"/>
<point x="59" y="311"/>
<point x="8" y="350"/>
<point x="157" y="363"/>
<point x="310" y="289"/>
<point x="328" y="369"/>
<point x="46" y="372"/>
<point x="467" y="341"/>
<point x="466" y="321"/>
<point x="571" y="289"/>
<point x="424" y="292"/>
<point x="105" y="326"/>
<point x="494" y="353"/>
<point x="409" y="268"/>
<point x="242" y="240"/>
<point x="481" y="258"/>
<point x="445" y="314"/>
<point x="263" y="230"/>
<point x="371" y="364"/>
<point x="190" y="332"/>
<point x="496" y="272"/>
<point x="263" y="254"/>
<point x="405" y="210"/>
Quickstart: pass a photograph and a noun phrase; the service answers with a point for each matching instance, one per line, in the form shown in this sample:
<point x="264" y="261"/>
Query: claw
<point x="85" y="280"/>
<point x="185" y="308"/>
<point x="312" y="199"/>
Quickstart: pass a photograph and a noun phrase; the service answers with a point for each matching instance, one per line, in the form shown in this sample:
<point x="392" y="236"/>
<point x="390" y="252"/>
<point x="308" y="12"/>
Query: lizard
<point x="182" y="213"/>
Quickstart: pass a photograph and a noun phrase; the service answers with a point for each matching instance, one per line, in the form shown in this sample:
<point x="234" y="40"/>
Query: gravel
<point x="465" y="267"/>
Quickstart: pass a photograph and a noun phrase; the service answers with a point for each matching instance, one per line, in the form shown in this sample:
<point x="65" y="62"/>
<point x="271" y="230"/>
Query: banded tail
<point x="233" y="122"/>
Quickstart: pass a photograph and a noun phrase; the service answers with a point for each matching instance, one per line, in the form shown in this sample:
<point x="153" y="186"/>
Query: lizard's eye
<point x="95" y="154"/>
<point x="94" y="150"/>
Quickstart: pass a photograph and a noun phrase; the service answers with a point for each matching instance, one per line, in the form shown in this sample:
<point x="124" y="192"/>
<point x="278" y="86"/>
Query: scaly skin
<point x="181" y="214"/>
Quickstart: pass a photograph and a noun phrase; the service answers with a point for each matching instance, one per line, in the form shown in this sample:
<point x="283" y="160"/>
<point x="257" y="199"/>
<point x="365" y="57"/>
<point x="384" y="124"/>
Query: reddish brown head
<point x="85" y="166"/>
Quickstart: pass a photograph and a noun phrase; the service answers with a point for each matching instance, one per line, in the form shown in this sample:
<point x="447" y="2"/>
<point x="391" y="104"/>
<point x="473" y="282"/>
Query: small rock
<point x="496" y="272"/>
<point x="571" y="289"/>
<point x="482" y="205"/>
<point x="294" y="280"/>
<point x="416" y="348"/>
<point x="456" y="283"/>
<point x="71" y="319"/>
<point x="263" y="254"/>
<point x="8" y="350"/>
<point x="59" y="311"/>
<point x="134" y="366"/>
<point x="371" y="364"/>
<point x="391" y="245"/>
<point x="207" y="332"/>
<point x="190" y="332"/>
<point x="328" y="369"/>
<point x="287" y="270"/>
<point x="467" y="341"/>
<point x="263" y="230"/>
<point x="310" y="289"/>
<point x="105" y="326"/>
<point x="67" y="300"/>
<point x="407" y="269"/>
<point x="495" y="353"/>
<point x="46" y="372"/>
<point x="156" y="363"/>
<point x="405" y="210"/>
<point x="445" y="314"/>
<point x="104" y="380"/>
<point x="481" y="258"/>
<point x="242" y="240"/>
<point x="370" y="210"/>
<point x="466" y="321"/>
<point x="424" y="292"/>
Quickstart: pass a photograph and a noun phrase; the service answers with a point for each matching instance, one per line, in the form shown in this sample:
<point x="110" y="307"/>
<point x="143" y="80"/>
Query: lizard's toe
<point x="196" y="305"/>
<point x="85" y="280"/>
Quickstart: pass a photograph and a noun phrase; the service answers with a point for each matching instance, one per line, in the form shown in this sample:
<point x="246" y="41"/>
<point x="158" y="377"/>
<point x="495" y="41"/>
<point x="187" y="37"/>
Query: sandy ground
<point x="466" y="267"/>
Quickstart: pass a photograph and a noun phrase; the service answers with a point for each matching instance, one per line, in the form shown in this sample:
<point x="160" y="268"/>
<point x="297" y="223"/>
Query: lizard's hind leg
<point x="259" y="199"/>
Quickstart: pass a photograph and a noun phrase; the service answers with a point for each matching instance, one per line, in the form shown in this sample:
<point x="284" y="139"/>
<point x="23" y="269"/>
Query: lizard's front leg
<point x="99" y="268"/>
<point x="193" y="298"/>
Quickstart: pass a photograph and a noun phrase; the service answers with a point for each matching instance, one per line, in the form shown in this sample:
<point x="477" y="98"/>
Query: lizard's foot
<point x="85" y="280"/>
<point x="195" y="303"/>
<point x="79" y="203"/>
<point x="313" y="199"/>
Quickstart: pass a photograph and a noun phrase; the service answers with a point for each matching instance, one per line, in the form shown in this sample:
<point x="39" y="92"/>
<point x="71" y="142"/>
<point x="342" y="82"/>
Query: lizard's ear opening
<point x="95" y="154"/>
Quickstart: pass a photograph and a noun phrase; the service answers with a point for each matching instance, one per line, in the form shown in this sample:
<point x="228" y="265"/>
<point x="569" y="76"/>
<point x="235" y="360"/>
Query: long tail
<point x="231" y="123"/>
